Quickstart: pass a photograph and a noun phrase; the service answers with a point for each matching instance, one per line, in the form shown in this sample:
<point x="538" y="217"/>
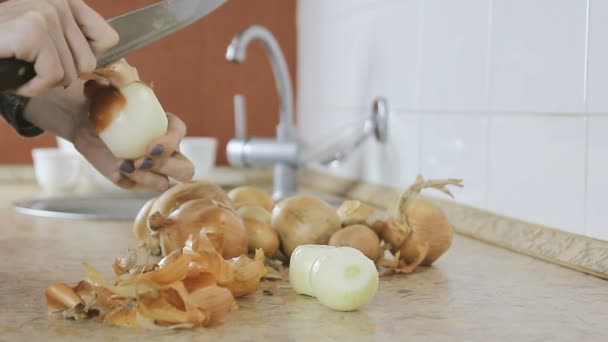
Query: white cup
<point x="202" y="152"/>
<point x="66" y="146"/>
<point x="56" y="170"/>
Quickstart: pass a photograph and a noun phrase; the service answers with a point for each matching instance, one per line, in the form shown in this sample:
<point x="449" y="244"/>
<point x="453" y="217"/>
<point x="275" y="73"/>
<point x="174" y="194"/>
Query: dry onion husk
<point x="415" y="230"/>
<point x="191" y="287"/>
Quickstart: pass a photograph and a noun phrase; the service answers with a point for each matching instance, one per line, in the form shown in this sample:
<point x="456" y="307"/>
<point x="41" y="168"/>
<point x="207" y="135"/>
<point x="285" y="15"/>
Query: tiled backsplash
<point x="510" y="95"/>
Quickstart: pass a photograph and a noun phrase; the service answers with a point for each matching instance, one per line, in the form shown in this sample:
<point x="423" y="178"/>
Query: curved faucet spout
<point x="237" y="52"/>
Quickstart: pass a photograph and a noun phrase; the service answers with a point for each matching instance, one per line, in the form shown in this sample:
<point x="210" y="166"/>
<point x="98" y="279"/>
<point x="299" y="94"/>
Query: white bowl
<point x="202" y="152"/>
<point x="56" y="170"/>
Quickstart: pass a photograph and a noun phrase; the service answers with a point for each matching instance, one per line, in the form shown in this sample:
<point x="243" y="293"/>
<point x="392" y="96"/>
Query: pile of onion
<point x="253" y="206"/>
<point x="415" y="230"/>
<point x="191" y="265"/>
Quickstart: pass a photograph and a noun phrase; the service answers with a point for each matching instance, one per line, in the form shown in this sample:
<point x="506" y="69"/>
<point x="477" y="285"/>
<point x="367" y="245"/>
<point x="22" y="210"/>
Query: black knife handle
<point x="15" y="73"/>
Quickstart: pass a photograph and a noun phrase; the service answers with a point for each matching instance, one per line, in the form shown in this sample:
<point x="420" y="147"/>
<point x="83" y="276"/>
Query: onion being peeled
<point x="126" y="114"/>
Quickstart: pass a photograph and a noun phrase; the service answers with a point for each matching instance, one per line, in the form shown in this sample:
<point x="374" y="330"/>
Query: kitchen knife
<point x="136" y="29"/>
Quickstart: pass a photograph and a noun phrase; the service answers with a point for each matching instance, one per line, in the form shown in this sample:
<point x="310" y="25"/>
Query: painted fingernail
<point x="127" y="166"/>
<point x="158" y="150"/>
<point x="147" y="163"/>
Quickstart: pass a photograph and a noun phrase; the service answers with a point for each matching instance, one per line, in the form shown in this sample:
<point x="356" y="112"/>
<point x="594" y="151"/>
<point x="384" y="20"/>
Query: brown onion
<point x="251" y="195"/>
<point x="360" y="237"/>
<point x="224" y="221"/>
<point x="304" y="220"/>
<point x="261" y="235"/>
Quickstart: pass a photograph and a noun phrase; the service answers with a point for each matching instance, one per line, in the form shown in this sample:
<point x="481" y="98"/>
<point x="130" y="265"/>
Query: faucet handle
<point x="380" y="119"/>
<point x="240" y="116"/>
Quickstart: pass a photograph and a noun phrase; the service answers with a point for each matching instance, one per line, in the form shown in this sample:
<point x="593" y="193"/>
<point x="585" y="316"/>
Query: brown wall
<point x="192" y="77"/>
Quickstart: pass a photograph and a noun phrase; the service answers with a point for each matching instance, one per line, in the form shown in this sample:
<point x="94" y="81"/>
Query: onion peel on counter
<point x="191" y="287"/>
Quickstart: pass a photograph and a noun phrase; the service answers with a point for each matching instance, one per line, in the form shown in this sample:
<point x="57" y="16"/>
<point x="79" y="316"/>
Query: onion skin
<point x="119" y="73"/>
<point x="224" y="221"/>
<point x="222" y="226"/>
<point x="106" y="104"/>
<point x="250" y="195"/>
<point x="304" y="220"/>
<point x="181" y="193"/>
<point x="360" y="237"/>
<point x="261" y="235"/>
<point x="140" y="226"/>
<point x="187" y="212"/>
<point x="353" y="212"/>
<point x="254" y="212"/>
<point x="437" y="232"/>
<point x="419" y="225"/>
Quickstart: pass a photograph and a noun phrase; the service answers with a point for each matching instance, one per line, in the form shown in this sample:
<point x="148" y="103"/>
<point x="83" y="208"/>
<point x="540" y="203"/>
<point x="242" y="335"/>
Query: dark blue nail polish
<point x="158" y="150"/>
<point x="127" y="166"/>
<point x="147" y="163"/>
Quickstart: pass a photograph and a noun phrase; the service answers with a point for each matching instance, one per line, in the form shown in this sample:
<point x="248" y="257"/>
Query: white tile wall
<point x="506" y="94"/>
<point x="456" y="146"/>
<point x="597" y="182"/>
<point x="537" y="169"/>
<point x="338" y="127"/>
<point x="538" y="55"/>
<point x="454" y="55"/>
<point x="397" y="161"/>
<point x="392" y="66"/>
<point x="333" y="60"/>
<point x="322" y="9"/>
<point x="597" y="85"/>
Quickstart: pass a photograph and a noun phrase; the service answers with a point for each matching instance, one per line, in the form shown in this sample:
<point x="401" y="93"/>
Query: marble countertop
<point x="475" y="292"/>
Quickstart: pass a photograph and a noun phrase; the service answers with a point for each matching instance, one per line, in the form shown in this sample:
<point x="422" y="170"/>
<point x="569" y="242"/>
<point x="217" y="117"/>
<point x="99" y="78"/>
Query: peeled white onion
<point x="128" y="119"/>
<point x="341" y="278"/>
<point x="344" y="279"/>
<point x="125" y="113"/>
<point x="300" y="264"/>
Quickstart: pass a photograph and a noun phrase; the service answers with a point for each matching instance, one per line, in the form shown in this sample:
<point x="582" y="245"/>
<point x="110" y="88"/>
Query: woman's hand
<point x="152" y="171"/>
<point x="65" y="113"/>
<point x="61" y="38"/>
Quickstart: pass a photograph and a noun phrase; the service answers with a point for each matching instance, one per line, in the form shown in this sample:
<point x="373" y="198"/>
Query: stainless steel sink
<point x="107" y="207"/>
<point x="84" y="208"/>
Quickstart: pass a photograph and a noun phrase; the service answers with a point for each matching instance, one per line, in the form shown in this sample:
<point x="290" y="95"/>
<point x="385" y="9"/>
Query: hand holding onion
<point x="129" y="138"/>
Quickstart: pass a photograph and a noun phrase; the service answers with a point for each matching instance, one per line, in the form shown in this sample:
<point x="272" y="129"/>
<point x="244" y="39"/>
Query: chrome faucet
<point x="287" y="151"/>
<point x="284" y="151"/>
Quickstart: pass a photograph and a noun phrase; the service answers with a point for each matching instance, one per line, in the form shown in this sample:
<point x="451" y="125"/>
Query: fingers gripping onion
<point x="126" y="114"/>
<point x="302" y="220"/>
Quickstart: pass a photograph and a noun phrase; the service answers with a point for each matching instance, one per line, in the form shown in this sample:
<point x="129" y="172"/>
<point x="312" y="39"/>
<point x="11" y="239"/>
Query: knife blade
<point x="136" y="30"/>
